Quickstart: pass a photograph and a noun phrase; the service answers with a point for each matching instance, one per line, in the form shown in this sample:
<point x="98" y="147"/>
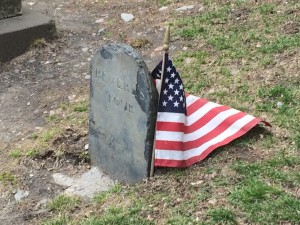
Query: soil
<point x="53" y="72"/>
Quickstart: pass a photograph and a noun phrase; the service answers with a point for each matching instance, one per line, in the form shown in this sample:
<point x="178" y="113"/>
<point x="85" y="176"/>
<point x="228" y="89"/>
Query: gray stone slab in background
<point x="18" y="33"/>
<point x="10" y="8"/>
<point x="122" y="113"/>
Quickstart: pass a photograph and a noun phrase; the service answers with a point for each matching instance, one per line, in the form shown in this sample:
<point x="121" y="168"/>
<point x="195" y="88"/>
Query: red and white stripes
<point x="182" y="140"/>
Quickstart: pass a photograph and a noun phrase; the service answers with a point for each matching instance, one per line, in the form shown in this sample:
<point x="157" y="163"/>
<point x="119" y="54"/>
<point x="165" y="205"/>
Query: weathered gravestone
<point x="10" y="8"/>
<point x="123" y="102"/>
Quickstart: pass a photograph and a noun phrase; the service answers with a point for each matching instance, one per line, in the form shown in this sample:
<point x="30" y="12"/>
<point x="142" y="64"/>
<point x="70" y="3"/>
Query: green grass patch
<point x="117" y="215"/>
<point x="265" y="204"/>
<point x="15" y="153"/>
<point x="279" y="169"/>
<point x="58" y="220"/>
<point x="63" y="203"/>
<point x="163" y="2"/>
<point x="32" y="153"/>
<point x="81" y="106"/>
<point x="7" y="178"/>
<point x="222" y="216"/>
<point x="48" y="135"/>
<point x="103" y="196"/>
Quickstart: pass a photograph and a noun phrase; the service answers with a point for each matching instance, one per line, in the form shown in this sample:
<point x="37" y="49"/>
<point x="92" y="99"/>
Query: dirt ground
<point x="54" y="72"/>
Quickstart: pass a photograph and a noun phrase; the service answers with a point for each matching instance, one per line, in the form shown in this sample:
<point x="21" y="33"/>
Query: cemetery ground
<point x="244" y="54"/>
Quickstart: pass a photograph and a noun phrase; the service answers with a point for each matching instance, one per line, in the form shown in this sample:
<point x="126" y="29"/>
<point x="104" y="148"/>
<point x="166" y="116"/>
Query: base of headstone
<point x="18" y="33"/>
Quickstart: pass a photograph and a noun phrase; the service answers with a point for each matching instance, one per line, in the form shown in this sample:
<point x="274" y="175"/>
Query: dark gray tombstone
<point x="123" y="102"/>
<point x="10" y="8"/>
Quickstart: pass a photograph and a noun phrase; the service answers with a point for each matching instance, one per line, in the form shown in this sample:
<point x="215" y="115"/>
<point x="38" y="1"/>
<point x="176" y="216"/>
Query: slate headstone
<point x="123" y="102"/>
<point x="10" y="8"/>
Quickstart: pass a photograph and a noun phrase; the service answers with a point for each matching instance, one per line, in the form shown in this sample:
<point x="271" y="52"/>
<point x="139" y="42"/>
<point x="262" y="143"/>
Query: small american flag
<point x="188" y="128"/>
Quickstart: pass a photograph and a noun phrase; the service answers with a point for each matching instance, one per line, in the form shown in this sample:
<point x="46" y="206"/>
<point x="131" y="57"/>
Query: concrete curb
<point x="18" y="33"/>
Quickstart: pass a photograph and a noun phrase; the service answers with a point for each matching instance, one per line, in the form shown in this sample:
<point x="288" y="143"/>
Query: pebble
<point x="127" y="17"/>
<point x="51" y="113"/>
<point x="100" y="31"/>
<point x="189" y="61"/>
<point x="184" y="8"/>
<point x="86" y="147"/>
<point x="197" y="183"/>
<point x="101" y="20"/>
<point x="20" y="195"/>
<point x="158" y="49"/>
<point x="163" y="8"/>
<point x="28" y="103"/>
<point x="31" y="3"/>
<point x="84" y="49"/>
<point x="71" y="97"/>
<point x="87" y="77"/>
<point x="212" y="201"/>
<point x="41" y="204"/>
<point x="279" y="104"/>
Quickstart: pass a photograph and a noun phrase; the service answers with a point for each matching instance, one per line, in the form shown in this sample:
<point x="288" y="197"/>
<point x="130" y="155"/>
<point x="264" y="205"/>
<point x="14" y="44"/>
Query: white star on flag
<point x="171" y="86"/>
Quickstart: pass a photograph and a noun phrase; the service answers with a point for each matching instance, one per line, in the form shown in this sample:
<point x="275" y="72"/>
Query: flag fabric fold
<point x="188" y="128"/>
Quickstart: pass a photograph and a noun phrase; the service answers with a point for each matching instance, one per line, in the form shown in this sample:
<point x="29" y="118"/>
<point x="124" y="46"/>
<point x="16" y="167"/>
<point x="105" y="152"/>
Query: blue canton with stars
<point x="172" y="97"/>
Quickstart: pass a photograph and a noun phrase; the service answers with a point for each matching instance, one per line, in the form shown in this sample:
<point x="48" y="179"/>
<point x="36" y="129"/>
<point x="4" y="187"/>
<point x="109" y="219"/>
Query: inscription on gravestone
<point x="123" y="103"/>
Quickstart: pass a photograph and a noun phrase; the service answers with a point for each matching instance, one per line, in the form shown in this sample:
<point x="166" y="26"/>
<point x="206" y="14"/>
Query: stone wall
<point x="10" y="8"/>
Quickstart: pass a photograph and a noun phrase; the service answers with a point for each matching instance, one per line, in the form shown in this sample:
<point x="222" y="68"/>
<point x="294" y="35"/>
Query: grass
<point x="7" y="178"/>
<point x="222" y="215"/>
<point x="81" y="106"/>
<point x="59" y="220"/>
<point x="67" y="114"/>
<point x="62" y="203"/>
<point x="265" y="204"/>
<point x="15" y="153"/>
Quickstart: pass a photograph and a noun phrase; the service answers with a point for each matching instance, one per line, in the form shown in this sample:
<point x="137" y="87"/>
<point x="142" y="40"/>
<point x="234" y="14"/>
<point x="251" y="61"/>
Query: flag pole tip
<point x="166" y="45"/>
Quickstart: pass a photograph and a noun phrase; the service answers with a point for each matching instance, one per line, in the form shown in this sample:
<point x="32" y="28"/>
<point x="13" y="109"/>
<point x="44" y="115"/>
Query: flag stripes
<point x="183" y="140"/>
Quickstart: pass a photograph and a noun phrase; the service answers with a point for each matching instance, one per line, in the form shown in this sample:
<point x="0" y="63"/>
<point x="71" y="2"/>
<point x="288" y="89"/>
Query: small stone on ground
<point x="87" y="185"/>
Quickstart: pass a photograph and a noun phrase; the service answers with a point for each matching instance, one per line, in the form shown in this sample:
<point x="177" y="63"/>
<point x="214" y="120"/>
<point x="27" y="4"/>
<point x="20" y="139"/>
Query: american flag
<point x="188" y="128"/>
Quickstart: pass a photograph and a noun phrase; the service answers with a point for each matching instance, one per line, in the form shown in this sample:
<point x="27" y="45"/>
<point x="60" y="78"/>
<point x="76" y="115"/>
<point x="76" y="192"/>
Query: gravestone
<point x="10" y="8"/>
<point x="20" y="27"/>
<point x="123" y="102"/>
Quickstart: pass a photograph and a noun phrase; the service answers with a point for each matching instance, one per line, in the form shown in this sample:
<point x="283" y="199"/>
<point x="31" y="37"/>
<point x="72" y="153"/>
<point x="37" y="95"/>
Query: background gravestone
<point x="123" y="102"/>
<point x="18" y="32"/>
<point x="10" y="8"/>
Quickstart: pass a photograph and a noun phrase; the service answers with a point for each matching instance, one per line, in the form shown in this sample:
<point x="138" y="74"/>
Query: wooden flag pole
<point x="166" y="49"/>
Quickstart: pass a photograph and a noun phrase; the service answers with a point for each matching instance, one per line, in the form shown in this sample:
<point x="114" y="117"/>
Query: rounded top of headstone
<point x="107" y="50"/>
